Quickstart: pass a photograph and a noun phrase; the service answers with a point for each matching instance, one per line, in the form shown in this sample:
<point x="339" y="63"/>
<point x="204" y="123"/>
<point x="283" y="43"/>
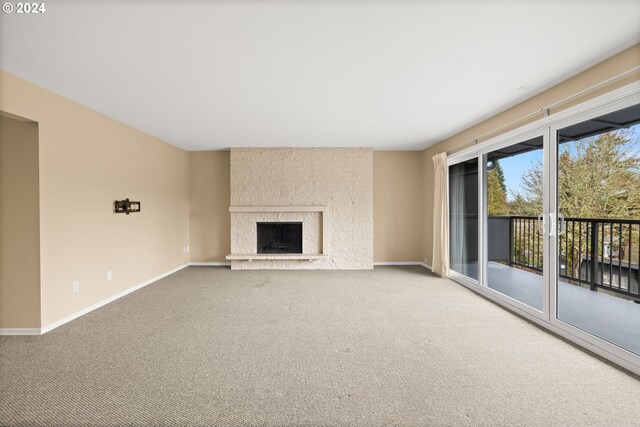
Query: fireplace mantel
<point x="255" y="257"/>
<point x="322" y="209"/>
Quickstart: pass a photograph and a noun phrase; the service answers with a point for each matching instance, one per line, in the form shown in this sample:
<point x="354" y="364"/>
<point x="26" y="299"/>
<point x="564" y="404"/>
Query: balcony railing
<point x="593" y="252"/>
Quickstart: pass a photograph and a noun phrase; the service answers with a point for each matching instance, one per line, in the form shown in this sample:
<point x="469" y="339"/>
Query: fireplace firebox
<point x="279" y="237"/>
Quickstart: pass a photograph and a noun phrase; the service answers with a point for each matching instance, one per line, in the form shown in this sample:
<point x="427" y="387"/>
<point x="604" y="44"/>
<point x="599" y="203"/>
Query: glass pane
<point x="463" y="218"/>
<point x="599" y="237"/>
<point x="514" y="202"/>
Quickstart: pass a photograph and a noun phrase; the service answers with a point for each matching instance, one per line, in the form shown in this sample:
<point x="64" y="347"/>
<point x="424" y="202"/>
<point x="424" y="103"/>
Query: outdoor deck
<point x="613" y="319"/>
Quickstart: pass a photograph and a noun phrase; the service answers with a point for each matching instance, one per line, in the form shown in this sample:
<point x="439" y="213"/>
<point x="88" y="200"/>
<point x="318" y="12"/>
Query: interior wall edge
<point x="20" y="275"/>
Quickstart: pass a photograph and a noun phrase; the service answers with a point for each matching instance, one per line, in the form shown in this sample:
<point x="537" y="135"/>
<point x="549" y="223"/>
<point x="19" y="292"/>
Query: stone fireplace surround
<point x="329" y="190"/>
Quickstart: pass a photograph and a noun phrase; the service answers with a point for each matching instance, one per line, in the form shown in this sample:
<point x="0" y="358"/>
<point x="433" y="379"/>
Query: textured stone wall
<point x="339" y="178"/>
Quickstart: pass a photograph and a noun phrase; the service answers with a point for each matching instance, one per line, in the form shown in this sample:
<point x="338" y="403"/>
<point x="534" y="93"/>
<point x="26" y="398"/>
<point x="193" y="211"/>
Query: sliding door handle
<point x="560" y="224"/>
<point x="556" y="227"/>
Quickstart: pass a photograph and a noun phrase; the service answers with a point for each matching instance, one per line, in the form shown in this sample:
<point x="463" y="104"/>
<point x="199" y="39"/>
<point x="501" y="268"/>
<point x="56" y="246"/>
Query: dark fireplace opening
<point x="279" y="237"/>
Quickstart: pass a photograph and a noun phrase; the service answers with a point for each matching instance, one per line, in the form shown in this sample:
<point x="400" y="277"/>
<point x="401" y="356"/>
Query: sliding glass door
<point x="546" y="220"/>
<point x="597" y="241"/>
<point x="513" y="199"/>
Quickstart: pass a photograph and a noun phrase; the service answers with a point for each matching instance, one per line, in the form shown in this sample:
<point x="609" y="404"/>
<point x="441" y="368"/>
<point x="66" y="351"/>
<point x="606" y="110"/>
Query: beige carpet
<point x="394" y="346"/>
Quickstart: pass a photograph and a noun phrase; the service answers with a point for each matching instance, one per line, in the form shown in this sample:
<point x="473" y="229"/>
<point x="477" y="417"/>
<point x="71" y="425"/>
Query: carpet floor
<point x="208" y="346"/>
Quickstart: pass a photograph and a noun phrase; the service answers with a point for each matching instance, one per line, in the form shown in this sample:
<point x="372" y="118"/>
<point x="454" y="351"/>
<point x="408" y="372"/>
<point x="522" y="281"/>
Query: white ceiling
<point x="383" y="74"/>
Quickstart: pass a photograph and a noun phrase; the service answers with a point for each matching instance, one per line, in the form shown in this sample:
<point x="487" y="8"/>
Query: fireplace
<point x="279" y="237"/>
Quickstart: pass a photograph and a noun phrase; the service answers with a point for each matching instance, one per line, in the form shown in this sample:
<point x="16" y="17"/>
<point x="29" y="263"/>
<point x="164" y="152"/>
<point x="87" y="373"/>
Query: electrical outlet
<point x="109" y="275"/>
<point x="75" y="286"/>
<point x="188" y="249"/>
<point x="184" y="249"/>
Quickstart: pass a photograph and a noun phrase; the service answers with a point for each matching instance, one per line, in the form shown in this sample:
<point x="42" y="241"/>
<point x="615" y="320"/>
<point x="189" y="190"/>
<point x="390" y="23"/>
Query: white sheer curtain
<point x="440" y="261"/>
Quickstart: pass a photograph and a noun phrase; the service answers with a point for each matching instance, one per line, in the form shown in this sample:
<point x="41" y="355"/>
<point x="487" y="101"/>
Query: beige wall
<point x="209" y="193"/>
<point x="396" y="189"/>
<point x="602" y="72"/>
<point x="19" y="225"/>
<point x="397" y="205"/>
<point x="87" y="161"/>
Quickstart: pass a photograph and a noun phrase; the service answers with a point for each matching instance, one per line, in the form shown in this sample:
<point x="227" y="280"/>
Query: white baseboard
<point x="227" y="264"/>
<point x="424" y="264"/>
<point x="89" y="309"/>
<point x="212" y="264"/>
<point x="397" y="263"/>
<point x="20" y="331"/>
